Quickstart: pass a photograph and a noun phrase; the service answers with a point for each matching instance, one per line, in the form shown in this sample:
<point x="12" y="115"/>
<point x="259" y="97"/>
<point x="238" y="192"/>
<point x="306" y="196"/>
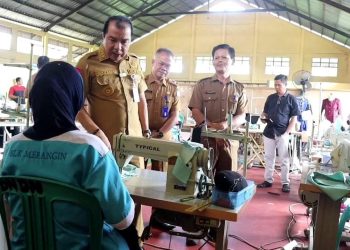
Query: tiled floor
<point x="264" y="220"/>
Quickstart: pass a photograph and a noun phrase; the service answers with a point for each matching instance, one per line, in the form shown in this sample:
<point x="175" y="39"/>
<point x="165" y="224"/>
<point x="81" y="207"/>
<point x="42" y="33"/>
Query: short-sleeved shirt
<point x="109" y="88"/>
<point x="18" y="90"/>
<point x="304" y="105"/>
<point x="218" y="99"/>
<point x="332" y="109"/>
<point x="160" y="96"/>
<point x="279" y="109"/>
<point x="75" y="158"/>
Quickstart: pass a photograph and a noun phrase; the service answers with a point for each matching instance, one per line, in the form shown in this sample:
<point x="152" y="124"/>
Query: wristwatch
<point x="146" y="133"/>
<point x="160" y="134"/>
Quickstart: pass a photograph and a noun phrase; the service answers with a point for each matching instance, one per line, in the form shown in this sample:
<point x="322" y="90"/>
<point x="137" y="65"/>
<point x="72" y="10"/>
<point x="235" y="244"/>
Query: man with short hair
<point x="114" y="89"/>
<point x="162" y="99"/>
<point x="16" y="92"/>
<point x="280" y="113"/>
<point x="218" y="96"/>
<point x="42" y="60"/>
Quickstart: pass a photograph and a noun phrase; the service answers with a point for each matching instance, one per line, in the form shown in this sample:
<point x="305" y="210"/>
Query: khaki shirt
<point x="218" y="99"/>
<point x="109" y="88"/>
<point x="160" y="95"/>
<point x="30" y="86"/>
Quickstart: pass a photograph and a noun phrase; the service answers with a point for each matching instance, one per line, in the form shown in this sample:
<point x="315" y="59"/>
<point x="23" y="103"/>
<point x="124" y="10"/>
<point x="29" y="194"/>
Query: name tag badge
<point x="135" y="94"/>
<point x="165" y="112"/>
<point x="135" y="91"/>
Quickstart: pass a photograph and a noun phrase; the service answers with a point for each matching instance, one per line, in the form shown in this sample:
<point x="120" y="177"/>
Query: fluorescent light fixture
<point x="226" y="6"/>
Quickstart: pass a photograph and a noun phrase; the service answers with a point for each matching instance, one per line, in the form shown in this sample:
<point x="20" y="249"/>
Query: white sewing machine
<point x="125" y="147"/>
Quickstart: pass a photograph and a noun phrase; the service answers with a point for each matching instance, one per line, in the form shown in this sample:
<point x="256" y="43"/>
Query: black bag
<point x="230" y="181"/>
<point x="196" y="134"/>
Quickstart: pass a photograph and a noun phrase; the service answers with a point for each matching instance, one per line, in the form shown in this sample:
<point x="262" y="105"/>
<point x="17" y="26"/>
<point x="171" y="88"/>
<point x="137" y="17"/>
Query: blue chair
<point x="37" y="196"/>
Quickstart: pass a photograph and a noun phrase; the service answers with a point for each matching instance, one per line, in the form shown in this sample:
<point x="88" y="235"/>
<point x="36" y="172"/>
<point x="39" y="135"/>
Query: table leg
<point x="221" y="236"/>
<point x="326" y="226"/>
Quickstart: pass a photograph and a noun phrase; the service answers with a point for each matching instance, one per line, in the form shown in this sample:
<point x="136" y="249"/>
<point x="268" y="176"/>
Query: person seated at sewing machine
<point x="81" y="160"/>
<point x="16" y="92"/>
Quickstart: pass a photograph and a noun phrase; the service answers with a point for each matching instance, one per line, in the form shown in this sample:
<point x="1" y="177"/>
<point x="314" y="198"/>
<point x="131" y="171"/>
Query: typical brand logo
<point x="147" y="147"/>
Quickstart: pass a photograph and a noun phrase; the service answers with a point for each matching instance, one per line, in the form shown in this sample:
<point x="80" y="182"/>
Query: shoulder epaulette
<point x="173" y="82"/>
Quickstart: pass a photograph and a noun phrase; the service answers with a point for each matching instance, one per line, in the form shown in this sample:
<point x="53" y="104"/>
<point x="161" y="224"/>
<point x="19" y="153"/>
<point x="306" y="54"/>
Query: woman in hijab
<point x="55" y="149"/>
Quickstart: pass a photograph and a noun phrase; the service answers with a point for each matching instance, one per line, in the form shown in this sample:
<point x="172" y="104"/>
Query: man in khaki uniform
<point x="114" y="89"/>
<point x="42" y="61"/>
<point x="162" y="99"/>
<point x="219" y="95"/>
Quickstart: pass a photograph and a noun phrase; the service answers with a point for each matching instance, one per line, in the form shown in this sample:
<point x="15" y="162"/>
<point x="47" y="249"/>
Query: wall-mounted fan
<point x="302" y="78"/>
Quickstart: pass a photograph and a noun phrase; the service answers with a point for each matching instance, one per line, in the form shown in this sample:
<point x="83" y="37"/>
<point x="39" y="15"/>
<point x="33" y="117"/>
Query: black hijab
<point x="55" y="99"/>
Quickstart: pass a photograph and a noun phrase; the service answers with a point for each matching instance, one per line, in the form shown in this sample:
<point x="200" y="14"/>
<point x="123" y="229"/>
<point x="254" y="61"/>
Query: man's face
<point x="117" y="41"/>
<point x="222" y="61"/>
<point x="161" y="65"/>
<point x="280" y="87"/>
<point x="20" y="82"/>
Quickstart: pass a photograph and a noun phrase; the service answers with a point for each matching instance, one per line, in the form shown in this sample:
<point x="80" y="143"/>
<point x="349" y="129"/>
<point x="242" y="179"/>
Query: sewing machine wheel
<point x="309" y="199"/>
<point x="208" y="170"/>
<point x="204" y="190"/>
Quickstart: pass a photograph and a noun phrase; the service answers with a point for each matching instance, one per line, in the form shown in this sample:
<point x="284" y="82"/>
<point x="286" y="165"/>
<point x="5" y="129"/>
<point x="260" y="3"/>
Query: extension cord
<point x="290" y="245"/>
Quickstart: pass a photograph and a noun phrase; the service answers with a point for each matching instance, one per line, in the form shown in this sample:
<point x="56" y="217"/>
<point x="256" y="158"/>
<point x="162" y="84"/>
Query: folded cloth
<point x="182" y="170"/>
<point x="336" y="185"/>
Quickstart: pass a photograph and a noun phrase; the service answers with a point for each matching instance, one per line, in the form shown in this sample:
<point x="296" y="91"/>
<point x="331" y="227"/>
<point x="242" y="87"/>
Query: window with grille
<point x="241" y="66"/>
<point x="24" y="41"/>
<point x="5" y="38"/>
<point x="325" y="67"/>
<point x="78" y="52"/>
<point x="176" y="67"/>
<point x="143" y="63"/>
<point x="277" y="65"/>
<point x="57" y="50"/>
<point x="204" y="64"/>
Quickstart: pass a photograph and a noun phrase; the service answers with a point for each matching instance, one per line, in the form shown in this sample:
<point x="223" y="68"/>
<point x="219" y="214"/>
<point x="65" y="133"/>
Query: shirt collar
<point x="284" y="95"/>
<point x="215" y="78"/>
<point x="152" y="79"/>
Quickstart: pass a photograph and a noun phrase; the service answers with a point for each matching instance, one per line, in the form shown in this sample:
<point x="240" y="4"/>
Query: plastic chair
<point x="343" y="219"/>
<point x="37" y="196"/>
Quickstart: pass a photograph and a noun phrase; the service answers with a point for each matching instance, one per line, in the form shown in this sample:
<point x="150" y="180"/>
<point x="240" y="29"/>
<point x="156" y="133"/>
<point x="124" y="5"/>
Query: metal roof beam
<point x="72" y="11"/>
<point x="123" y="12"/>
<point x="148" y="9"/>
<point x="309" y="19"/>
<point x="131" y="6"/>
<point x="212" y="12"/>
<point x="336" y="5"/>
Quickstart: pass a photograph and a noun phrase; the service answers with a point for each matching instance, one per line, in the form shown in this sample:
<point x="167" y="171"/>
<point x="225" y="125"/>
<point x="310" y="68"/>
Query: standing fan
<point x="302" y="78"/>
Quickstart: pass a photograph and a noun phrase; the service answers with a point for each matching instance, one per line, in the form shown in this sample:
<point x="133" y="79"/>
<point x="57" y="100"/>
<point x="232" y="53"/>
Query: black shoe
<point x="285" y="188"/>
<point x="190" y="242"/>
<point x="265" y="184"/>
<point x="161" y="225"/>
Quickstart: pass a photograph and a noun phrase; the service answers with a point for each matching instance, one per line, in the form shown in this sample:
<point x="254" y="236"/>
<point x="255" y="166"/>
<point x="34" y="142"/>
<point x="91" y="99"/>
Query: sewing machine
<point x="125" y="147"/>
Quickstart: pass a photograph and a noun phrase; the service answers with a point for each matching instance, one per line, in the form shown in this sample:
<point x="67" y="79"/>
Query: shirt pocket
<point x="210" y="102"/>
<point x="232" y="103"/>
<point x="106" y="84"/>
